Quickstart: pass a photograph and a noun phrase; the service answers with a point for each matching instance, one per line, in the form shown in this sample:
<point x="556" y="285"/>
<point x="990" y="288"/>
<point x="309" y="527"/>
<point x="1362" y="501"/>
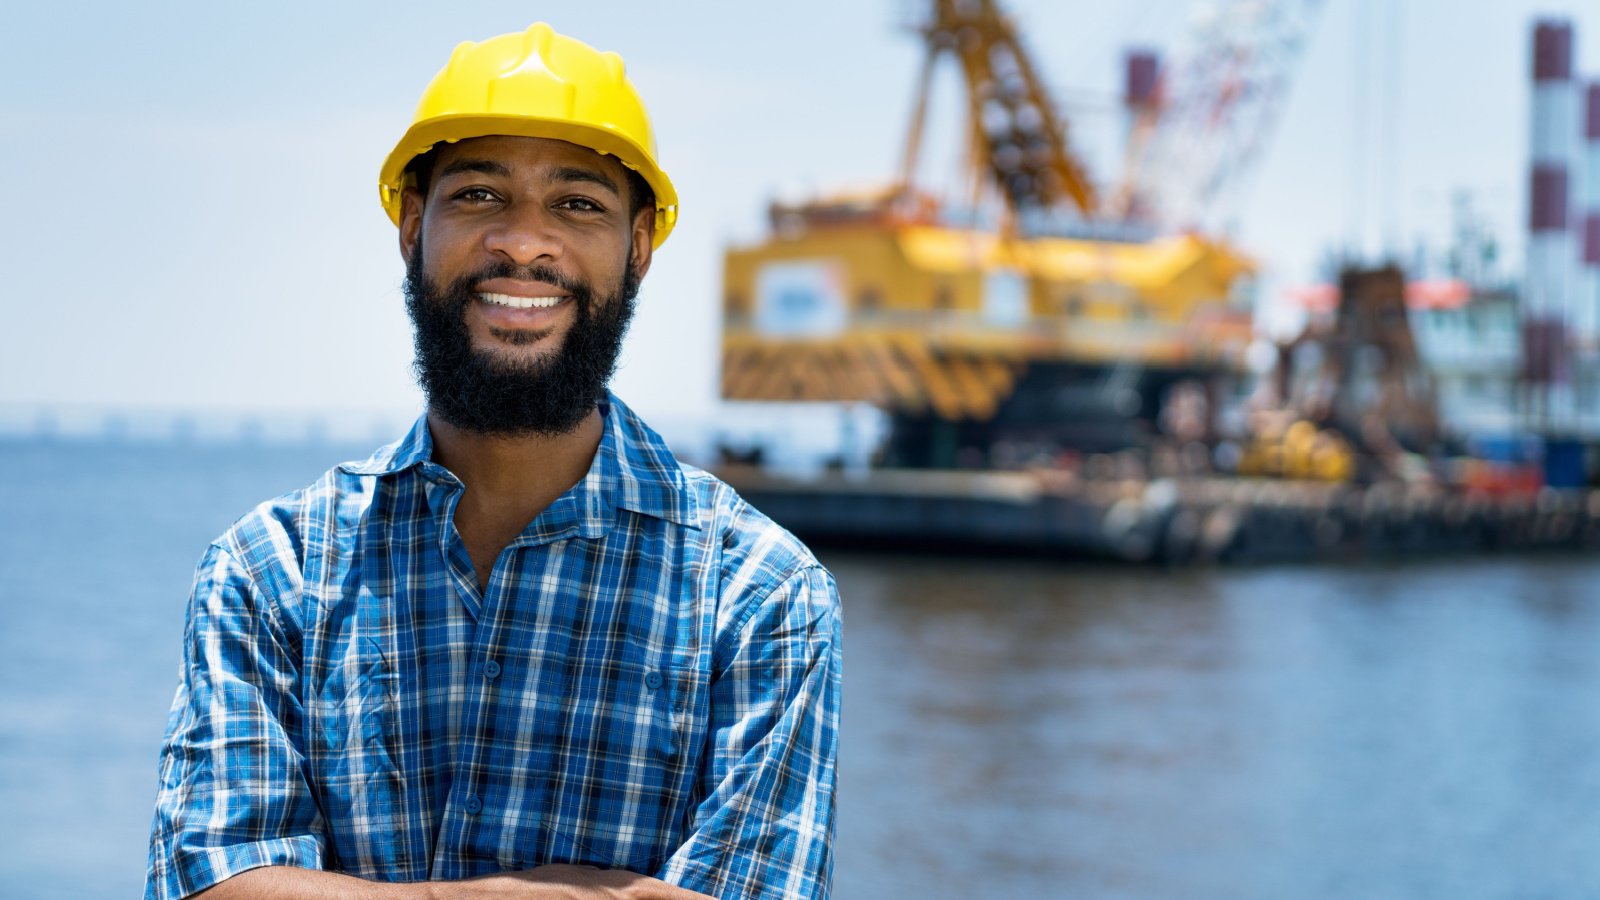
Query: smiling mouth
<point x="515" y="302"/>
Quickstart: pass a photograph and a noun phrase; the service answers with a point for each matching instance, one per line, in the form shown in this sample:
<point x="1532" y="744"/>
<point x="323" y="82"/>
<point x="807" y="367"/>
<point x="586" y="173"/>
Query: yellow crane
<point x="1015" y="135"/>
<point x="875" y="297"/>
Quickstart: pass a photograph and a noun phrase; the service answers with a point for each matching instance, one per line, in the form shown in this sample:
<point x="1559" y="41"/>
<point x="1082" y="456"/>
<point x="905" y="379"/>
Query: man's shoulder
<point x="755" y="551"/>
<point x="275" y="539"/>
<point x="700" y="498"/>
<point x="292" y="526"/>
<point x="765" y="575"/>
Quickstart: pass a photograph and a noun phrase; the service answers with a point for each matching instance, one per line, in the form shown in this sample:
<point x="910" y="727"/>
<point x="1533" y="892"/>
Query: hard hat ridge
<point x="534" y="83"/>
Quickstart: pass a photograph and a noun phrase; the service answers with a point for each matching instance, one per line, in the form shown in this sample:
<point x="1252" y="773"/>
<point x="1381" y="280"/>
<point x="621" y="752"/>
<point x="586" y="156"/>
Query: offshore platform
<point x="1081" y="373"/>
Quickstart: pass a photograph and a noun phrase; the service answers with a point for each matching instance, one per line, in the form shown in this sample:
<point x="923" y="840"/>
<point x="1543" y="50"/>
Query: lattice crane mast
<point x="1202" y="129"/>
<point x="1016" y="136"/>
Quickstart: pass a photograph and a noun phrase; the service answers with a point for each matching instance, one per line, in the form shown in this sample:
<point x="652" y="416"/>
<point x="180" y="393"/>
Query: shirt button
<point x="473" y="805"/>
<point x="491" y="670"/>
<point x="652" y="680"/>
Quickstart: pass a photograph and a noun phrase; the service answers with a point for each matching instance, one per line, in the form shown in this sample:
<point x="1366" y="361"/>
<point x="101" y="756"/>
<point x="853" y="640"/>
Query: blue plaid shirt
<point x="649" y="682"/>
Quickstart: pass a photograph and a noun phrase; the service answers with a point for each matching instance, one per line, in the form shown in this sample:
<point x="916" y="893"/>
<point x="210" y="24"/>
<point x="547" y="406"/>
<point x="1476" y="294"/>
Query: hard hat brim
<point x="423" y="136"/>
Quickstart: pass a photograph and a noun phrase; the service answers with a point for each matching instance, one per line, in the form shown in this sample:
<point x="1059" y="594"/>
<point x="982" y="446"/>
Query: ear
<point x="410" y="222"/>
<point x="643" y="237"/>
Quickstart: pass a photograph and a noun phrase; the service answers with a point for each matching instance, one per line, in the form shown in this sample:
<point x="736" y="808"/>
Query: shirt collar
<point x="633" y="469"/>
<point x="413" y="449"/>
<point x="637" y="471"/>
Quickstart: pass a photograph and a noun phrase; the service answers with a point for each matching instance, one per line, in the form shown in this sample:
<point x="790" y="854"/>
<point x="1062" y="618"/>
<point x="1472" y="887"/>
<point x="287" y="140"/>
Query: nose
<point x="524" y="235"/>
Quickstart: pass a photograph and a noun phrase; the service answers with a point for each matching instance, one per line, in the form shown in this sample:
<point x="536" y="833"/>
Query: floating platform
<point x="1176" y="520"/>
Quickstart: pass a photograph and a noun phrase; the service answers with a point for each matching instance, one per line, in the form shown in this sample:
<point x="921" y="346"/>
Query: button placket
<point x="481" y="693"/>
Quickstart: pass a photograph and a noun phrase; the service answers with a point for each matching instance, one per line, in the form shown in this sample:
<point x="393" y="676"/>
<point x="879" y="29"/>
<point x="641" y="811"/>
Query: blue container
<point x="1511" y="449"/>
<point x="1566" y="464"/>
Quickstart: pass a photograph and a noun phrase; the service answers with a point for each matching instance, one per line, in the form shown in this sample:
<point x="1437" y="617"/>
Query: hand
<point x="590" y="883"/>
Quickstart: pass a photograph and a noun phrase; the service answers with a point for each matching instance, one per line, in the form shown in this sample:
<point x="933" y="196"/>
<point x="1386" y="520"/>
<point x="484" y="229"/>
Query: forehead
<point x="527" y="154"/>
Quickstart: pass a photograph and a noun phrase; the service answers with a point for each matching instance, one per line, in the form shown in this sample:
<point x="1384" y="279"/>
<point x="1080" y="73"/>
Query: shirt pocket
<point x="349" y="702"/>
<point x="622" y="795"/>
<point x="351" y="718"/>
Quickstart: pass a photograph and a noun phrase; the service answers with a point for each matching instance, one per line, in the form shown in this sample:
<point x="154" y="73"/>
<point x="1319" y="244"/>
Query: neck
<point x="509" y="480"/>
<point x="516" y="473"/>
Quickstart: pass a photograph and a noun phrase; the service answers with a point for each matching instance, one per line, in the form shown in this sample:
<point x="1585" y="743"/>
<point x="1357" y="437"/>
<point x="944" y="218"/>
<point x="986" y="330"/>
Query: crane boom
<point x="1018" y="140"/>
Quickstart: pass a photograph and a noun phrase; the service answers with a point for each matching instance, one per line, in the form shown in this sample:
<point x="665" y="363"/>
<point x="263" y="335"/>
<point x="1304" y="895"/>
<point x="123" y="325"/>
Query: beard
<point x="484" y="392"/>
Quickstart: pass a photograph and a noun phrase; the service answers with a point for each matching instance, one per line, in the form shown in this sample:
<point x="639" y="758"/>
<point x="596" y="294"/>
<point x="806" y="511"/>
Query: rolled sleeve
<point x="765" y="826"/>
<point x="233" y="789"/>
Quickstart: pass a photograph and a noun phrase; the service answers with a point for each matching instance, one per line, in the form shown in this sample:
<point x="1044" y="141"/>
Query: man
<point x="522" y="652"/>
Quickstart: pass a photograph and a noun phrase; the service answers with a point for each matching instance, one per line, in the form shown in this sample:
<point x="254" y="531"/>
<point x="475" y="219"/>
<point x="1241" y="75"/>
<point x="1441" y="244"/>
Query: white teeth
<point x="522" y="302"/>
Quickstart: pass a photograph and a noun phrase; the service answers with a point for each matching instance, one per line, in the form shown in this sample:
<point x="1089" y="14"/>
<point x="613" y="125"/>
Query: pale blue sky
<point x="193" y="214"/>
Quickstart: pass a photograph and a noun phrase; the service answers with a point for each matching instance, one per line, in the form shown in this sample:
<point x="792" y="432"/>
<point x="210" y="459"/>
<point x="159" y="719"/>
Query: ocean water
<point x="1013" y="728"/>
<point x="98" y="543"/>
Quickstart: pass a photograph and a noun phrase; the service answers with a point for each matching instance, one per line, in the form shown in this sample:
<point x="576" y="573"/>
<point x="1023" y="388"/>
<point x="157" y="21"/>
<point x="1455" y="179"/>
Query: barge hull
<point x="1168" y="520"/>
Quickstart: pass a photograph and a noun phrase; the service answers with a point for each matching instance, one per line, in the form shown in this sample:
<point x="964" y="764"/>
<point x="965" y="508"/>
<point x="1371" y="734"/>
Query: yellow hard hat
<point x="534" y="83"/>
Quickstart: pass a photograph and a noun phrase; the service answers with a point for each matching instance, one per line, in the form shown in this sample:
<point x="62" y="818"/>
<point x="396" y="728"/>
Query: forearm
<point x="293" y="883"/>
<point x="555" y="882"/>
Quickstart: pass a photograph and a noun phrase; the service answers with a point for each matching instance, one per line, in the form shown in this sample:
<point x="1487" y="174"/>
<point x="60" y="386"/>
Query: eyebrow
<point x="592" y="176"/>
<point x="560" y="174"/>
<point x="485" y="166"/>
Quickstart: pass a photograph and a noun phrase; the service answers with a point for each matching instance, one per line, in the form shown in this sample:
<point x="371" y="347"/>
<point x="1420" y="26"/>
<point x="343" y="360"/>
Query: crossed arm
<point x="763" y="827"/>
<point x="543" y="883"/>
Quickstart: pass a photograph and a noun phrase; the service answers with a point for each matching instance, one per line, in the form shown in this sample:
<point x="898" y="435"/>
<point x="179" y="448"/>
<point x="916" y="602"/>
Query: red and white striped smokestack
<point x="1141" y="102"/>
<point x="1141" y="68"/>
<point x="1588" y="321"/>
<point x="1546" y="285"/>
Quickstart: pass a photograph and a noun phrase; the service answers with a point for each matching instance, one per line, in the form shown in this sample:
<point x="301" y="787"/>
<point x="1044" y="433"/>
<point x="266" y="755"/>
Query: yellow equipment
<point x="534" y="83"/>
<point x="1014" y="134"/>
<point x="874" y="297"/>
<point x="918" y="317"/>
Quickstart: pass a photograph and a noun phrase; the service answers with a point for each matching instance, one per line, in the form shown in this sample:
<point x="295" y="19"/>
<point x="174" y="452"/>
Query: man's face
<point x="521" y="265"/>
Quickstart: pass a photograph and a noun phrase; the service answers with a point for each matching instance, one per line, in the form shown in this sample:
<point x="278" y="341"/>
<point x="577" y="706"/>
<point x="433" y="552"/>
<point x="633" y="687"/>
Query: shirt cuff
<point x="201" y="868"/>
<point x="731" y="885"/>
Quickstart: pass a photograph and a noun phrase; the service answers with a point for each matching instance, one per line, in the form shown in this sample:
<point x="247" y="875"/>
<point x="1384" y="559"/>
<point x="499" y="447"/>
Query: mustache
<point x="476" y="390"/>
<point x="578" y="288"/>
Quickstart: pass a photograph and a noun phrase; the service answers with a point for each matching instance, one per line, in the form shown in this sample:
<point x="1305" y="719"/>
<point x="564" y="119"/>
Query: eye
<point x="580" y="204"/>
<point x="475" y="195"/>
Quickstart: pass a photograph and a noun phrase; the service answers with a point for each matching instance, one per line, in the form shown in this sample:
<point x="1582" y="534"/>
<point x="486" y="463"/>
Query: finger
<point x="682" y="893"/>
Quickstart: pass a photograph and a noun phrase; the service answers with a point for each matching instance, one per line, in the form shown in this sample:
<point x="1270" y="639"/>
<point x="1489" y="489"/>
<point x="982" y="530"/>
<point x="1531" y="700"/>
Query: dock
<point x="1171" y="520"/>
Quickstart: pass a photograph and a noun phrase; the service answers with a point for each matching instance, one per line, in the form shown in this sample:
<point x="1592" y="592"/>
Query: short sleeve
<point x="233" y="788"/>
<point x="765" y="826"/>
